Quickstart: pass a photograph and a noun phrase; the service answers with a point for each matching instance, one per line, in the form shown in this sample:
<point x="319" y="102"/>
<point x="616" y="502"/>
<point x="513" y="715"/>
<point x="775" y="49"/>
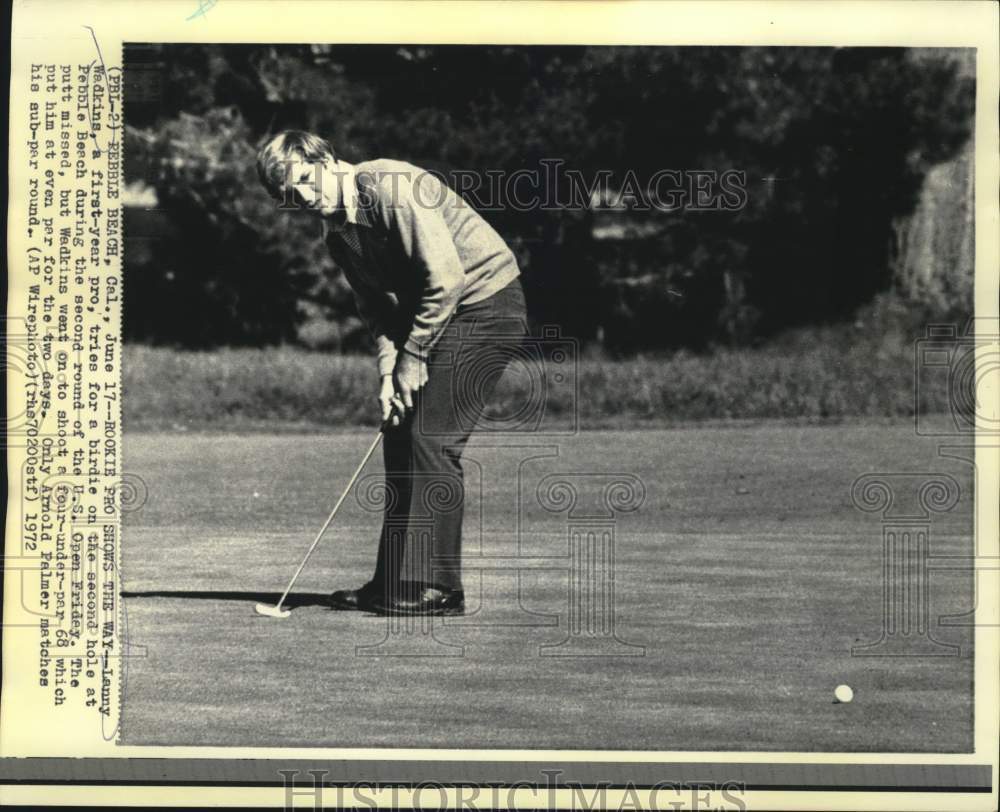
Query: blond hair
<point x="276" y="152"/>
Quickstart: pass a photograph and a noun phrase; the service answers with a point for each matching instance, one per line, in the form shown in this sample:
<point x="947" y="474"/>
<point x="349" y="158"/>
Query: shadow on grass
<point x="293" y="601"/>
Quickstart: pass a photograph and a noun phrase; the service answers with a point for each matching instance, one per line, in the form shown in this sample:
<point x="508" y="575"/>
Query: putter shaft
<point x="336" y="507"/>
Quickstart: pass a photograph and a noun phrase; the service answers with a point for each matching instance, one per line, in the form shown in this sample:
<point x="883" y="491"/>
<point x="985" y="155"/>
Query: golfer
<point x="440" y="291"/>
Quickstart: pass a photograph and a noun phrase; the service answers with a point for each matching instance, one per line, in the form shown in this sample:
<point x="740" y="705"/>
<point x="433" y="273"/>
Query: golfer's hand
<point x="409" y="376"/>
<point x="389" y="401"/>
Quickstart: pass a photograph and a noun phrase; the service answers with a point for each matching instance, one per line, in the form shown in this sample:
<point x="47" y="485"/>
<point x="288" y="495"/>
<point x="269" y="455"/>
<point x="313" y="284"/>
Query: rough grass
<point x="819" y="374"/>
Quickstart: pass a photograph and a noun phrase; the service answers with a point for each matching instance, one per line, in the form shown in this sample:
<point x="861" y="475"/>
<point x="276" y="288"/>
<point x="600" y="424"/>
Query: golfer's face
<point x="315" y="184"/>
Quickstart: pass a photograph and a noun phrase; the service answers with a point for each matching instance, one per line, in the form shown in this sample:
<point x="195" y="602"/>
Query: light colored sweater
<point x="412" y="251"/>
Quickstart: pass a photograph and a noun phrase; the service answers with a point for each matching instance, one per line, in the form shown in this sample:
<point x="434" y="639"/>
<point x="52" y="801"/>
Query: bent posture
<point x="441" y="294"/>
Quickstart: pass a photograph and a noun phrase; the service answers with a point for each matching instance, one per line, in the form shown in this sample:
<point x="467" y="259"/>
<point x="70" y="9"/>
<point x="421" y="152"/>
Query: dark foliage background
<point x="835" y="144"/>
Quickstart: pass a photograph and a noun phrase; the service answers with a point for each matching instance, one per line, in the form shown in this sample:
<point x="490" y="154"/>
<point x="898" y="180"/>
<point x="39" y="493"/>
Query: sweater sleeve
<point x="370" y="304"/>
<point x="384" y="347"/>
<point x="413" y="217"/>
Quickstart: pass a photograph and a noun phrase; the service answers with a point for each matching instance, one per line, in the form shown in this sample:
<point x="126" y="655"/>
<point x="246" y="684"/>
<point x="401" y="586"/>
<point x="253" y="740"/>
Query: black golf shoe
<point x="354" y="599"/>
<point x="426" y="601"/>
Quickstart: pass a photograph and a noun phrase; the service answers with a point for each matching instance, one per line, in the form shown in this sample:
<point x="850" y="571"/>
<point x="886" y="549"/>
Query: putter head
<point x="271" y="611"/>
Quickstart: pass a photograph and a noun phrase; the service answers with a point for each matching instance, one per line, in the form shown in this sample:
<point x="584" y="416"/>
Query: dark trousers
<point x="421" y="538"/>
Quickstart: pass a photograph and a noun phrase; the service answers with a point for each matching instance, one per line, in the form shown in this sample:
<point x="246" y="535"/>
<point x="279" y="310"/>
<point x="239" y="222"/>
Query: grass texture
<point x="741" y="585"/>
<point x="821" y="374"/>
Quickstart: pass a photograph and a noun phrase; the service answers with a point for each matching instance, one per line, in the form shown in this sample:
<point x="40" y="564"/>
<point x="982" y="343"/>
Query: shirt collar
<point x="348" y="211"/>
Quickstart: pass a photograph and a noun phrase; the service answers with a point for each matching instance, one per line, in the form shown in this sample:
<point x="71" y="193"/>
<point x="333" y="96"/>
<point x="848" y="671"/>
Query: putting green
<point x="741" y="585"/>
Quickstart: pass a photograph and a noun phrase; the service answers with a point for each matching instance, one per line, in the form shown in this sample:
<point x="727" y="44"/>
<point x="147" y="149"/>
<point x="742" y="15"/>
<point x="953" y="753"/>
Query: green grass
<point x="817" y="374"/>
<point x="747" y="574"/>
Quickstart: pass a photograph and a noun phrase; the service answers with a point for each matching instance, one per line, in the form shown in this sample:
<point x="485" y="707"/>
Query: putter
<point x="278" y="609"/>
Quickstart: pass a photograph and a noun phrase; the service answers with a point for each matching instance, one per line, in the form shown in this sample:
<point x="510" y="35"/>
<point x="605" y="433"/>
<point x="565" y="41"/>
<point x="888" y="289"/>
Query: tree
<point x="833" y="144"/>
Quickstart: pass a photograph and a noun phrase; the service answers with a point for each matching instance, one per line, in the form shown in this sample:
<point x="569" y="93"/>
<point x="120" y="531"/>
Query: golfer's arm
<point x="428" y="245"/>
<point x="370" y="314"/>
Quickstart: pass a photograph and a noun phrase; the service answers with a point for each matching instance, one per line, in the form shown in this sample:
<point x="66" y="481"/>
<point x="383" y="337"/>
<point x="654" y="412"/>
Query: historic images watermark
<point x="542" y="369"/>
<point x="954" y="368"/>
<point x="962" y="362"/>
<point x="907" y="503"/>
<point x="551" y="186"/>
<point x="313" y="789"/>
<point x="590" y="504"/>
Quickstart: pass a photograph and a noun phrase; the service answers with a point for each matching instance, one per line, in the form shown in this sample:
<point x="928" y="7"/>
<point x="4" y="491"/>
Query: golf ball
<point x="843" y="693"/>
